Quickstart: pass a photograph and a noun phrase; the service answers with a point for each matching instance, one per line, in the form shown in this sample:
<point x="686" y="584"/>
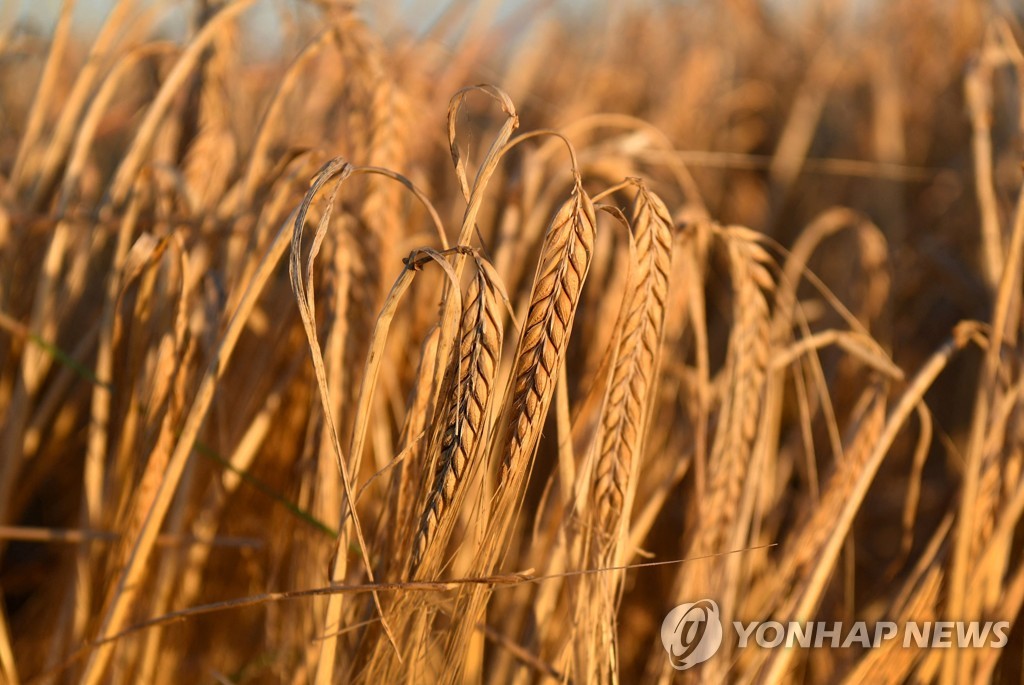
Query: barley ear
<point x="470" y="385"/>
<point x="625" y="416"/>
<point x="564" y="262"/>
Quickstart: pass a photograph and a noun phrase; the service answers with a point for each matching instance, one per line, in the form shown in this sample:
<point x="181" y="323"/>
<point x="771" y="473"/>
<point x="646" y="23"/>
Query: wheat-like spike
<point x="625" y="416"/>
<point x="561" y="271"/>
<point x="466" y="410"/>
<point x="620" y="440"/>
<point x="564" y="262"/>
<point x="747" y="363"/>
<point x="807" y="543"/>
<point x="733" y="448"/>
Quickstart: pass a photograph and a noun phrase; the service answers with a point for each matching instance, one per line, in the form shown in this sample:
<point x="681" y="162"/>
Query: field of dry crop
<point x="323" y="363"/>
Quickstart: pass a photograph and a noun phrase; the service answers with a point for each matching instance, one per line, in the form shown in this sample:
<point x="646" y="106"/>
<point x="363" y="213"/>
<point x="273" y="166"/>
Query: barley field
<point x="464" y="348"/>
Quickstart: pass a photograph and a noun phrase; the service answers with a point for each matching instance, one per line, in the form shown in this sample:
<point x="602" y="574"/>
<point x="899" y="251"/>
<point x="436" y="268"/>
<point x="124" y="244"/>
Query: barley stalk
<point x="624" y="420"/>
<point x="561" y="271"/>
<point x="564" y="262"/>
<point x="466" y="412"/>
<point x="443" y="507"/>
<point x="747" y="364"/>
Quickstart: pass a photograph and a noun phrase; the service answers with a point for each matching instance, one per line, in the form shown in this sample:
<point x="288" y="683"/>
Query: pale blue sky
<point x="260" y="21"/>
<point x="404" y="16"/>
<point x="89" y="13"/>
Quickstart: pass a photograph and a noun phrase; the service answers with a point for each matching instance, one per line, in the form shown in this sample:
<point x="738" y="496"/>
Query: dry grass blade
<point x="809" y="592"/>
<point x="60" y="142"/>
<point x="134" y="158"/>
<point x="488" y="165"/>
<point x="128" y="584"/>
<point x="803" y="550"/>
<point x="413" y="440"/>
<point x="41" y="101"/>
<point x="340" y="170"/>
